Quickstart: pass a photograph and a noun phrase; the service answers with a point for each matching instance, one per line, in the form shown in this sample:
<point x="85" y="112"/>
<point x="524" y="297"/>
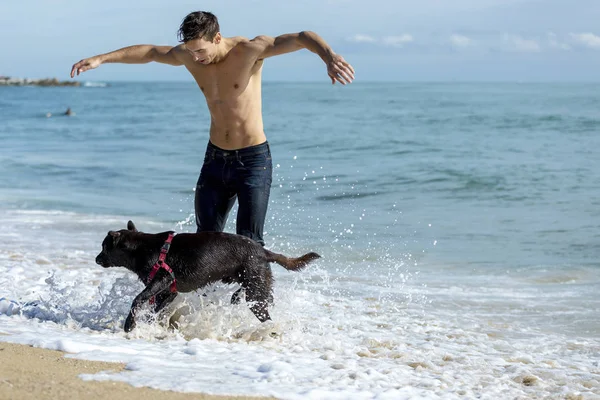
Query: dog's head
<point x="118" y="247"/>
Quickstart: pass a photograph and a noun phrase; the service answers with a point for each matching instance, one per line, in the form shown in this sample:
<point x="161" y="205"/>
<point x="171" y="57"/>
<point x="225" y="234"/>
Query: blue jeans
<point x="245" y="174"/>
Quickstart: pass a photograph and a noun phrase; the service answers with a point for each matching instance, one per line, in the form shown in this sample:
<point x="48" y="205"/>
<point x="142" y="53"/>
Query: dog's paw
<point x="129" y="323"/>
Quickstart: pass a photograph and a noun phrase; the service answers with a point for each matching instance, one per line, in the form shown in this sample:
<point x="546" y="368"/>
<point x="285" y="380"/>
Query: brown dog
<point x="192" y="261"/>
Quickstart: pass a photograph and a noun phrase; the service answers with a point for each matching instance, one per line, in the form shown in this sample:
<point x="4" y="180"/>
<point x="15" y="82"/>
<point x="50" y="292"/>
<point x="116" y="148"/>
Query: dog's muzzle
<point x="101" y="260"/>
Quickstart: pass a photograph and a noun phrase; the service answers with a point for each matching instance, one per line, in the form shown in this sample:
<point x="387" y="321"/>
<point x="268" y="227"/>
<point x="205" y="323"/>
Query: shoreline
<point x="34" y="373"/>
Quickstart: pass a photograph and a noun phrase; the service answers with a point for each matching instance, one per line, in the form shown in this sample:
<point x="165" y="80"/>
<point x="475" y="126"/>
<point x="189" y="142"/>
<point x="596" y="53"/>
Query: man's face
<point x="203" y="51"/>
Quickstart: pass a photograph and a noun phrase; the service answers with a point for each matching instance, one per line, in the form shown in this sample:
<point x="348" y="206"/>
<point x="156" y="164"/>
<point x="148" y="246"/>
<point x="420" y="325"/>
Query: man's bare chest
<point x="225" y="80"/>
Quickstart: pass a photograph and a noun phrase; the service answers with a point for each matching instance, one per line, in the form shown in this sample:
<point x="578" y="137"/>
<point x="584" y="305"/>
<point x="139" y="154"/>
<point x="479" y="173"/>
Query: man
<point x="237" y="161"/>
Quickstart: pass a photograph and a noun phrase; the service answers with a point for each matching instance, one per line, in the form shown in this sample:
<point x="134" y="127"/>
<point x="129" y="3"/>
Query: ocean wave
<point x="95" y="84"/>
<point x="345" y="196"/>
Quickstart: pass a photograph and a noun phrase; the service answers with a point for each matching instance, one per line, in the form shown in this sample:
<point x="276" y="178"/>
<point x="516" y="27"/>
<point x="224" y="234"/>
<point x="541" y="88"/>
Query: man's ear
<point x="131" y="226"/>
<point x="217" y="38"/>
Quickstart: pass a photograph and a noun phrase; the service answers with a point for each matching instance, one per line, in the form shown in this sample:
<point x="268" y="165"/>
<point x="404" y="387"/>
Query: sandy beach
<point x="33" y="373"/>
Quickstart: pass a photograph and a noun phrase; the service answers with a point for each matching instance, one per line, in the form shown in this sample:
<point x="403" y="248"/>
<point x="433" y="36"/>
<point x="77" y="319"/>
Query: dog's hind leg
<point x="258" y="292"/>
<point x="261" y="310"/>
<point x="236" y="297"/>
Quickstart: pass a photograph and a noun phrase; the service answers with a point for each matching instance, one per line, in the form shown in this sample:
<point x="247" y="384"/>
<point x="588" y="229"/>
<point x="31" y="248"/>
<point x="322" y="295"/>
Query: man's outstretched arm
<point x="338" y="69"/>
<point x="138" y="54"/>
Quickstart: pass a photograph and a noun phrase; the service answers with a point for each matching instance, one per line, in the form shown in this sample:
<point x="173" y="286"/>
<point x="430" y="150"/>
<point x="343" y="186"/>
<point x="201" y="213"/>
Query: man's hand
<point x="339" y="70"/>
<point x="84" y="65"/>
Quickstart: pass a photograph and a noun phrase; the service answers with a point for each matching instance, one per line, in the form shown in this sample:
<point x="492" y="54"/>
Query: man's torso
<point x="232" y="88"/>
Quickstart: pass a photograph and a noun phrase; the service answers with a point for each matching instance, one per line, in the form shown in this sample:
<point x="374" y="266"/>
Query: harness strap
<point x="162" y="264"/>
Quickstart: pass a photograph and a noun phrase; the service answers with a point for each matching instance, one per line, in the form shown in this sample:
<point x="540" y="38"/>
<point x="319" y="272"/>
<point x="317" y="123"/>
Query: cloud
<point x="460" y="41"/>
<point x="398" y="41"/>
<point x="554" y="43"/>
<point x="587" y="39"/>
<point x="359" y="38"/>
<point x="519" y="44"/>
<point x="394" y="41"/>
<point x="495" y="41"/>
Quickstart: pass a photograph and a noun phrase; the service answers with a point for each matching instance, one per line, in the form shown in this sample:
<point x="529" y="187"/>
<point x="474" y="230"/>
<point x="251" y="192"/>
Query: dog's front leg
<point x="161" y="282"/>
<point x="163" y="300"/>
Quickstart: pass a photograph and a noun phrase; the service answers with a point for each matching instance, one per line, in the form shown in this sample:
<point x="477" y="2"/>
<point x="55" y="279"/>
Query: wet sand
<point x="33" y="373"/>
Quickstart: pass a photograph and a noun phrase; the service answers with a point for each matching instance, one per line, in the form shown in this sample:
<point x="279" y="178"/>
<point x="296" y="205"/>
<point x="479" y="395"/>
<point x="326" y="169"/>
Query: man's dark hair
<point x="198" y="24"/>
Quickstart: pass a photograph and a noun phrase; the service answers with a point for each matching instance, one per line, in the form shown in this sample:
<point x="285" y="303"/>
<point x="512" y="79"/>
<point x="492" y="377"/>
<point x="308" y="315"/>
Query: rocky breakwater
<point x="8" y="81"/>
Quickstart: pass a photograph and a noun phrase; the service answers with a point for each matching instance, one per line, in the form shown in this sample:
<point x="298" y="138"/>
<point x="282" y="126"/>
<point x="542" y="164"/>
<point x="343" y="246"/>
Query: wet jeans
<point x="245" y="174"/>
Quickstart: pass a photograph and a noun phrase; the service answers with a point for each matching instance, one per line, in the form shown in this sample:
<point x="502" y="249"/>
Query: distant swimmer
<point x="228" y="72"/>
<point x="68" y="113"/>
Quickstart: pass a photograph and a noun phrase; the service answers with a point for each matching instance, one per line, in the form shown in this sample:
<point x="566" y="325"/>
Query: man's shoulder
<point x="179" y="49"/>
<point x="244" y="45"/>
<point x="244" y="42"/>
<point x="181" y="53"/>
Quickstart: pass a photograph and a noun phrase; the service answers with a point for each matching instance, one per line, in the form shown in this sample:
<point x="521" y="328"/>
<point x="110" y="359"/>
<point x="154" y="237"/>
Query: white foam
<point x="95" y="84"/>
<point x="381" y="332"/>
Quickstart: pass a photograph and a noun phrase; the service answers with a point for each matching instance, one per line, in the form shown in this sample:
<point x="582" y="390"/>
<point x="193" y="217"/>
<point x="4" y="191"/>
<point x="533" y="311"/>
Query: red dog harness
<point x="162" y="264"/>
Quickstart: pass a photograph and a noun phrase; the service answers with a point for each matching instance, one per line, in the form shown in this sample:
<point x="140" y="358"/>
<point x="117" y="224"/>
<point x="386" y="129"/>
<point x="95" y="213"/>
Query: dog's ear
<point x="131" y="226"/>
<point x="116" y="236"/>
<point x="122" y="240"/>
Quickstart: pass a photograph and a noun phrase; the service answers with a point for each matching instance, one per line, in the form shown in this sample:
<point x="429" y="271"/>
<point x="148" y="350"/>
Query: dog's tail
<point x="291" y="264"/>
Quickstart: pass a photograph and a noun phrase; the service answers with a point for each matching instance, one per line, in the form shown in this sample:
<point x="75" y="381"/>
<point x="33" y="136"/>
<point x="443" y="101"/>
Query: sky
<point x="384" y="40"/>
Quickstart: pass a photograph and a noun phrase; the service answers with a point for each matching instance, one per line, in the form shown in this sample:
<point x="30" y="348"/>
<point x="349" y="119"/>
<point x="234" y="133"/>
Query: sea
<point x="458" y="226"/>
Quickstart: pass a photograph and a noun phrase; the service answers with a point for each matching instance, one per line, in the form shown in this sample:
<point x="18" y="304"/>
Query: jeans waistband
<point x="215" y="151"/>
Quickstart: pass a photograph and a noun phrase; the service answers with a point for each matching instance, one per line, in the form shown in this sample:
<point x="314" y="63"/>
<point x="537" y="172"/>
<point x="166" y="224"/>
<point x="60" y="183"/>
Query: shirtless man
<point x="237" y="161"/>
